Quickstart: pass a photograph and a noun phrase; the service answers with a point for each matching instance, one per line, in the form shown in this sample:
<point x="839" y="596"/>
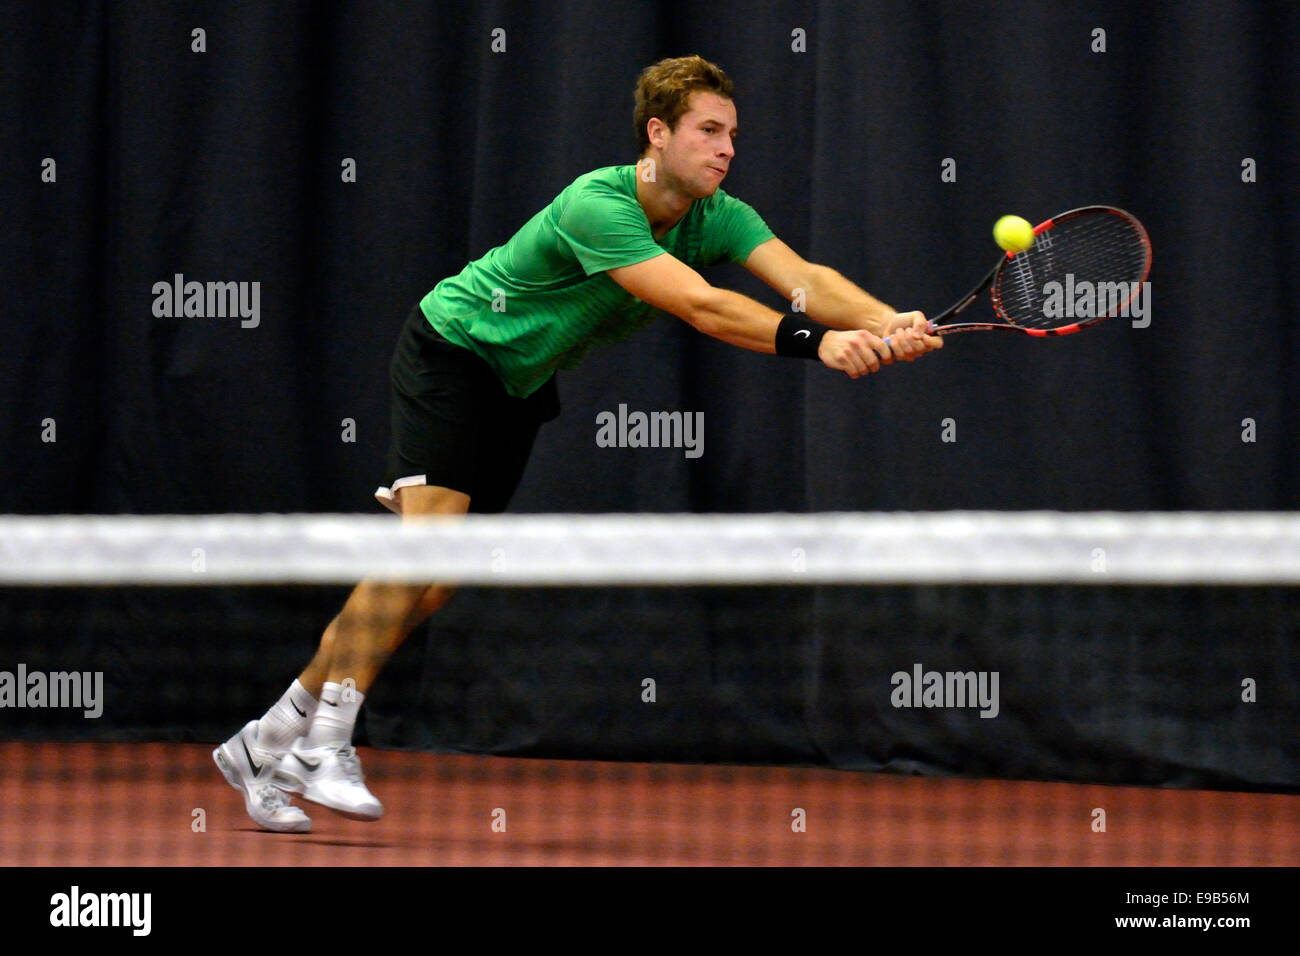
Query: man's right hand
<point x="855" y="353"/>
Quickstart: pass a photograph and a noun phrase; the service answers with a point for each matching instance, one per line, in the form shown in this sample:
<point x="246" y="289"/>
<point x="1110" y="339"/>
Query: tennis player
<point x="473" y="378"/>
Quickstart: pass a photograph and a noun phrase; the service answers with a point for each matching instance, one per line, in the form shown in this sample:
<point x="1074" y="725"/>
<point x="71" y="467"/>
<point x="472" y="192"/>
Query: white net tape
<point x="878" y="548"/>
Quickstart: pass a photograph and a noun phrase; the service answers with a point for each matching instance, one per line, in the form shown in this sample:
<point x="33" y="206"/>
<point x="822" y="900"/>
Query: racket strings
<point x="1086" y="266"/>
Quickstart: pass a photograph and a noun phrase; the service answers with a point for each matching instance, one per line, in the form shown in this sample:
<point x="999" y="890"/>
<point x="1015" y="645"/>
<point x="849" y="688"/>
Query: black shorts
<point x="453" y="423"/>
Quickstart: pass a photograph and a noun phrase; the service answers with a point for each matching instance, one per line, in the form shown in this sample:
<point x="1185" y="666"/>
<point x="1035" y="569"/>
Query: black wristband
<point x="799" y="338"/>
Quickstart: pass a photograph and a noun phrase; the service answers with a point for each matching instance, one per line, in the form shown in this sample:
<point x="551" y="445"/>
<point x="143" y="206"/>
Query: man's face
<point x="698" y="153"/>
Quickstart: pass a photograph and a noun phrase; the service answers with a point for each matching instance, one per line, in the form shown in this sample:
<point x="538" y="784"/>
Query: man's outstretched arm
<point x="827" y="296"/>
<point x="667" y="283"/>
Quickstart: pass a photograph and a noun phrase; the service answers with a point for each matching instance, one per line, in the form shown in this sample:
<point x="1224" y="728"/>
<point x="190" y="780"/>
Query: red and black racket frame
<point x="939" y="325"/>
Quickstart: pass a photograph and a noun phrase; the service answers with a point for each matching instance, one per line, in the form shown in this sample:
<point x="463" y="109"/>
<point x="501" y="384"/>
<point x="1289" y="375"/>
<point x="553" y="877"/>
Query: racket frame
<point x="939" y="326"/>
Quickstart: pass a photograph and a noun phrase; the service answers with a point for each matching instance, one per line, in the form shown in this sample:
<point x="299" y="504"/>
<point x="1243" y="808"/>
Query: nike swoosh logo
<point x="301" y="712"/>
<point x="309" y="766"/>
<point x="257" y="768"/>
<point x="805" y="333"/>
<point x="332" y="703"/>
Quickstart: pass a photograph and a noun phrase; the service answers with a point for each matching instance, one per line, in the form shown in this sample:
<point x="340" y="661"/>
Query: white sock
<point x="335" y="717"/>
<point x="287" y="720"/>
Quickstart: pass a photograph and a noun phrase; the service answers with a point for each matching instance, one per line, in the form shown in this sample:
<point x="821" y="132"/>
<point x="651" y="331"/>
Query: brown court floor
<point x="165" y="804"/>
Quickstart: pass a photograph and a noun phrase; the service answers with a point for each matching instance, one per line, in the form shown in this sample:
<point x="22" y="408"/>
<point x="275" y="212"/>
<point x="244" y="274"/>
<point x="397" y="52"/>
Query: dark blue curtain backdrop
<point x="225" y="165"/>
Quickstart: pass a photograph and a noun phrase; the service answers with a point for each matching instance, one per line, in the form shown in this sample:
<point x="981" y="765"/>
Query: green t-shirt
<point x="542" y="300"/>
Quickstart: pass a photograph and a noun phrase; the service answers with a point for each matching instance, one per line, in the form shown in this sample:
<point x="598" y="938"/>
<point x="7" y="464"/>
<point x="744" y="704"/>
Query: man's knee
<point x="435" y="597"/>
<point x="419" y="502"/>
<point x="379" y="604"/>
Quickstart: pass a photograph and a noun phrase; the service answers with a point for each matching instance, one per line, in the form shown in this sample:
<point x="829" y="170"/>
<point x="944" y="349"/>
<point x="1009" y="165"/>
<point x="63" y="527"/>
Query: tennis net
<point x="926" y="688"/>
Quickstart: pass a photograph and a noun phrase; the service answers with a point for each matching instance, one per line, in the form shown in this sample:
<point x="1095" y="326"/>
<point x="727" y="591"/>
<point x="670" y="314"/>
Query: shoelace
<point x="351" y="765"/>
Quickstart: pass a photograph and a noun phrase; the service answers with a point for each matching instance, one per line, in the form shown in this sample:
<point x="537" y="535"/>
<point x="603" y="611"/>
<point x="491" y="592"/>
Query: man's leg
<point x="375" y="620"/>
<point x="378" y="617"/>
<point x="364" y="655"/>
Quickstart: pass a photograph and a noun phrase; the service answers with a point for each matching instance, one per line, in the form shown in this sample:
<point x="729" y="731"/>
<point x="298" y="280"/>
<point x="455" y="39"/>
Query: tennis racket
<point x="1085" y="266"/>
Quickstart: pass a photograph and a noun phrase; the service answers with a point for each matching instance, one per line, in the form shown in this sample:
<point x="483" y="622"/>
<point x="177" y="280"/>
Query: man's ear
<point x="655" y="131"/>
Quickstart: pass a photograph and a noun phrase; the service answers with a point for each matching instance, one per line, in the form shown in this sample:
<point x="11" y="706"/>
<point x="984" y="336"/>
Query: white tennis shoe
<point x="248" y="768"/>
<point x="328" y="776"/>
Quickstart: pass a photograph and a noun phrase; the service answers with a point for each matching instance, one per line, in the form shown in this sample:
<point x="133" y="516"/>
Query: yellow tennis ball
<point x="1013" y="233"/>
